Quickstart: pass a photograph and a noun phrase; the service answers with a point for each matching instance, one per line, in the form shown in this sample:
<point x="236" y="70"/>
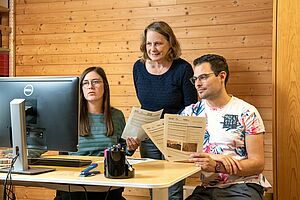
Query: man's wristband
<point x="218" y="167"/>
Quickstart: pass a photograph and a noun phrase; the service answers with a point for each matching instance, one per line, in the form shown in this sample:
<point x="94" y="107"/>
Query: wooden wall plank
<point x="132" y="9"/>
<point x="224" y="42"/>
<point x="74" y="48"/>
<point x="126" y="68"/>
<point x="20" y="2"/>
<point x="230" y="53"/>
<point x="266" y="114"/>
<point x="73" y="69"/>
<point x="102" y="30"/>
<point x="131" y="46"/>
<point x="44" y="6"/>
<point x="130" y="57"/>
<point x="264" y="89"/>
<point x="268" y="141"/>
<point x="139" y="23"/>
<point x="268" y="126"/>
<point x="64" y="6"/>
<point x="125" y="100"/>
<point x="250" y="64"/>
<point x="252" y="78"/>
<point x="258" y="101"/>
<point x="81" y="5"/>
<point x="129" y="35"/>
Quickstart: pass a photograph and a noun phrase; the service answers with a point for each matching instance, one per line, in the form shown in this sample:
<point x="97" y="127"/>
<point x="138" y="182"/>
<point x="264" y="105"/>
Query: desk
<point x="158" y="175"/>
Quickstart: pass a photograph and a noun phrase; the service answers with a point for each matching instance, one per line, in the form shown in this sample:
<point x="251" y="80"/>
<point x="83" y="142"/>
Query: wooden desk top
<point x="153" y="174"/>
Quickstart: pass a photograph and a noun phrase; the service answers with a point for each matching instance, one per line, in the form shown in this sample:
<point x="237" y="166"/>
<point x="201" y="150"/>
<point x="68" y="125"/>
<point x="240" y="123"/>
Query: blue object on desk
<point x="87" y="171"/>
<point x="92" y="173"/>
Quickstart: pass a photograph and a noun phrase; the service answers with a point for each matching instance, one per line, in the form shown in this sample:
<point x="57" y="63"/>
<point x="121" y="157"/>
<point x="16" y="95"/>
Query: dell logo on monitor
<point x="28" y="90"/>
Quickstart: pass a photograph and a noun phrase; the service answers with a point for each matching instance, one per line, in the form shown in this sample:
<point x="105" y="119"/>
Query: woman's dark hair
<point x="218" y="63"/>
<point x="84" y="118"/>
<point x="164" y="29"/>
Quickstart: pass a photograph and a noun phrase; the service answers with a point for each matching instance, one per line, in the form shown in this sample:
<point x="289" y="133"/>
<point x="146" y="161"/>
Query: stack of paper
<point x="177" y="136"/>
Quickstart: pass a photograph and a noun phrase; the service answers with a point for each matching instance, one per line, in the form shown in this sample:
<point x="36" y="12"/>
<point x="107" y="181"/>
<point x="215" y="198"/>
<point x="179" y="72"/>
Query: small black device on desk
<point x="116" y="165"/>
<point x="65" y="162"/>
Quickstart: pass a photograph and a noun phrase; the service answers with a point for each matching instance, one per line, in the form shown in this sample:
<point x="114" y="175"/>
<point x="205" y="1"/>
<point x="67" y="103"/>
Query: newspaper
<point x="177" y="136"/>
<point x="136" y="119"/>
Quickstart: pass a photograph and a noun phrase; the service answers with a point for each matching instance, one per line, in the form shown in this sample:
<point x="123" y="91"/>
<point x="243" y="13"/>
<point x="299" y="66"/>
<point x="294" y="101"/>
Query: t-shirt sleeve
<point x="253" y="122"/>
<point x="187" y="111"/>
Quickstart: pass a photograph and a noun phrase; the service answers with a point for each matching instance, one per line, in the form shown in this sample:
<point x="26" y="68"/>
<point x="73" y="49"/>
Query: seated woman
<point x="101" y="126"/>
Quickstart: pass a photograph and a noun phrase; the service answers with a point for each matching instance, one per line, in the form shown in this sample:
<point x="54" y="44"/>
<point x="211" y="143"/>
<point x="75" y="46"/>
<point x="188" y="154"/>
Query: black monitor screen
<point x="52" y="111"/>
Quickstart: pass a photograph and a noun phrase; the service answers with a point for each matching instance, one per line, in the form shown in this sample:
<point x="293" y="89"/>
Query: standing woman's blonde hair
<point x="164" y="29"/>
<point x="84" y="118"/>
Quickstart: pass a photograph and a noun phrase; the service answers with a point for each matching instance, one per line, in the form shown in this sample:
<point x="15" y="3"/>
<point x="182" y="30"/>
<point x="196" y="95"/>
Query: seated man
<point x="233" y="151"/>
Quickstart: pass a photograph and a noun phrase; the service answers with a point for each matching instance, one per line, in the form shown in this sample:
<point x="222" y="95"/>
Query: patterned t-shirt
<point x="225" y="133"/>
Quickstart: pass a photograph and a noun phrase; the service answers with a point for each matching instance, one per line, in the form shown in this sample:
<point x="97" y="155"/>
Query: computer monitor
<point x="51" y="111"/>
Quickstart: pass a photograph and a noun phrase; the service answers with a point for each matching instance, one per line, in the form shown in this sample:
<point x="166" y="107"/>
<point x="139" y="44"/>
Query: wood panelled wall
<point x="286" y="99"/>
<point x="63" y="37"/>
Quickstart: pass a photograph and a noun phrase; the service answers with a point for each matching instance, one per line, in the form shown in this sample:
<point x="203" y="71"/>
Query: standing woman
<point x="101" y="126"/>
<point x="161" y="80"/>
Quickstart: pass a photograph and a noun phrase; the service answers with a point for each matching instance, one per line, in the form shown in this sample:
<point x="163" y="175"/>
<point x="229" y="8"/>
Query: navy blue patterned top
<point x="171" y="91"/>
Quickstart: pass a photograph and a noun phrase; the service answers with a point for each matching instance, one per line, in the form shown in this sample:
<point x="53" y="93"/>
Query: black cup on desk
<point x="116" y="165"/>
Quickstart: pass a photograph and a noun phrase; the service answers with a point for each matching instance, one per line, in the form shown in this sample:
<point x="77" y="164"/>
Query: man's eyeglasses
<point x="202" y="77"/>
<point x="94" y="83"/>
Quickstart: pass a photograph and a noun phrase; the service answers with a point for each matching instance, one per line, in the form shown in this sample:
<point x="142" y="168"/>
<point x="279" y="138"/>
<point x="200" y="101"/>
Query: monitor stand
<point x="18" y="124"/>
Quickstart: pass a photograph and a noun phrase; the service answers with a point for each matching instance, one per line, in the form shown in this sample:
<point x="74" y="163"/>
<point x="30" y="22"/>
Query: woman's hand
<point x="132" y="143"/>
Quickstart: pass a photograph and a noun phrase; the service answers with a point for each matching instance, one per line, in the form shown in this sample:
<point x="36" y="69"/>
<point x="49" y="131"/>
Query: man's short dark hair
<point x="218" y="63"/>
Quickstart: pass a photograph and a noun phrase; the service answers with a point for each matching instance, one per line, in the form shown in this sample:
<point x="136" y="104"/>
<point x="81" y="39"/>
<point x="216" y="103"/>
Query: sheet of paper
<point x="136" y="119"/>
<point x="134" y="161"/>
<point x="155" y="131"/>
<point x="177" y="136"/>
<point x="183" y="135"/>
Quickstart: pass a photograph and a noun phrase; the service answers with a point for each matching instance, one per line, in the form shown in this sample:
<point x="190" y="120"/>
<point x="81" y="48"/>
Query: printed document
<point x="136" y="119"/>
<point x="155" y="132"/>
<point x="177" y="136"/>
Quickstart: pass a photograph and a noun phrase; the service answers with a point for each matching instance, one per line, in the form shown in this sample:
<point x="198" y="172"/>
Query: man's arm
<point x="254" y="164"/>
